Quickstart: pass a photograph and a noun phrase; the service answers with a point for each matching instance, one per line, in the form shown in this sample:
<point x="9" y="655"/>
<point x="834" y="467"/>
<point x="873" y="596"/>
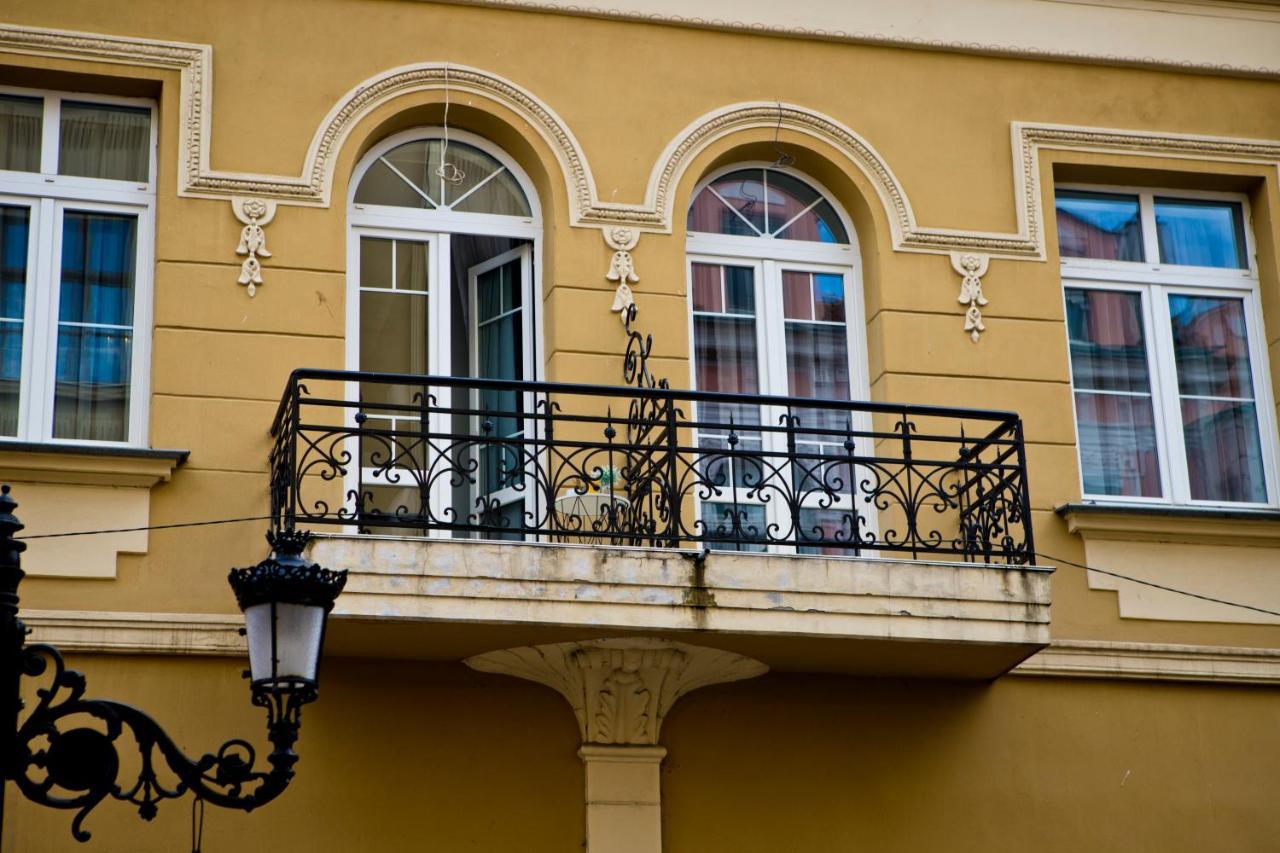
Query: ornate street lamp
<point x="59" y="762"/>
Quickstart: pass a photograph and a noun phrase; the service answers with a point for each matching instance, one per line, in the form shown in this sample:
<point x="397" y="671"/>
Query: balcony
<point x="810" y="534"/>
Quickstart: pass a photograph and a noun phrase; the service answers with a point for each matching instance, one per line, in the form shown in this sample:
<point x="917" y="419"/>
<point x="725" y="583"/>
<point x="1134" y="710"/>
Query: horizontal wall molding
<point x="1154" y="662"/>
<point x="1043" y="31"/>
<point x="218" y="635"/>
<point x="108" y="632"/>
<point x="313" y="185"/>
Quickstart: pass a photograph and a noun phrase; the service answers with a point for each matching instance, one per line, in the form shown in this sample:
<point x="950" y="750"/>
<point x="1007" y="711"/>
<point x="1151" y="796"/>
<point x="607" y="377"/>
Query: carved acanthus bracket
<point x="972" y="267"/>
<point x="622" y="267"/>
<point x="254" y="213"/>
<point x="620" y="689"/>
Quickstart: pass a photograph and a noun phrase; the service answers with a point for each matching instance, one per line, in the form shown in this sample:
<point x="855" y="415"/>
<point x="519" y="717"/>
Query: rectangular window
<point x="1167" y="364"/>
<point x="75" y="255"/>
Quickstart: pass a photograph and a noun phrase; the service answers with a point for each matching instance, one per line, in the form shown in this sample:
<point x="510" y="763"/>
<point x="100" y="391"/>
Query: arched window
<point x="424" y="174"/>
<point x="443" y="244"/>
<point x="776" y="309"/>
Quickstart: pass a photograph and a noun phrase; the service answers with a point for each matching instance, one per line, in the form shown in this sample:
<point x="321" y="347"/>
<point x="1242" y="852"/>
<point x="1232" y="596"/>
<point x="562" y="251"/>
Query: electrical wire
<point x="139" y="529"/>
<point x="1155" y="585"/>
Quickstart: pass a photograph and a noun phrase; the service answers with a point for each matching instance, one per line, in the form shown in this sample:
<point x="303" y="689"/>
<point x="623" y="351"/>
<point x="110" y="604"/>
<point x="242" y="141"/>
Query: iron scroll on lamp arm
<point x="286" y="600"/>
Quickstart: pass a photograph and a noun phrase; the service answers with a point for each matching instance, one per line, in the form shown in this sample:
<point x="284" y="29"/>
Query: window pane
<point x="797" y="301"/>
<point x="1108" y="345"/>
<point x="1201" y="233"/>
<point x="20" y="126"/>
<point x="828" y="297"/>
<point x="381" y="185"/>
<point x="706" y="288"/>
<point x="1099" y="225"/>
<point x="411" y="265"/>
<point x="788" y="196"/>
<point x="91" y="391"/>
<point x="95" y="319"/>
<point x="375" y="262"/>
<point x="1118" y="454"/>
<point x="104" y="141"/>
<point x="1211" y="346"/>
<point x="817" y="361"/>
<point x="741" y="191"/>
<point x="1224" y="453"/>
<point x="14" y="240"/>
<point x="99" y="252"/>
<point x="725" y="354"/>
<point x="501" y="195"/>
<point x="739" y="290"/>
<point x="393" y="339"/>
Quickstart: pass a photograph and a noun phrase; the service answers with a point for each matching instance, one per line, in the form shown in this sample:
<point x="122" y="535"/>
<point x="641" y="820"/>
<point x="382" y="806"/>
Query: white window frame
<point x="768" y="256"/>
<point x="1155" y="282"/>
<point x="48" y="195"/>
<point x="436" y="227"/>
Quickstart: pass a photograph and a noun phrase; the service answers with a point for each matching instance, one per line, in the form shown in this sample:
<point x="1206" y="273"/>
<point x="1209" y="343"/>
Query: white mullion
<point x="1263" y="394"/>
<point x="50" y="134"/>
<point x="1150" y="235"/>
<point x="44" y="312"/>
<point x="439" y="313"/>
<point x="1166" y="403"/>
<point x="27" y="386"/>
<point x="140" y="341"/>
<point x="773" y="373"/>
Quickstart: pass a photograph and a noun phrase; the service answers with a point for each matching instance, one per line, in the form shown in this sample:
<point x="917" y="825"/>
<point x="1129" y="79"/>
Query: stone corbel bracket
<point x="971" y="267"/>
<point x="254" y="214"/>
<point x="622" y="267"/>
<point x="620" y="689"/>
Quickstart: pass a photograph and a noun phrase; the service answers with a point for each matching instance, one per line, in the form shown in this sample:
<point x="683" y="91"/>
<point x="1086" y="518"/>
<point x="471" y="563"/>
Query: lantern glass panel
<point x="298" y="635"/>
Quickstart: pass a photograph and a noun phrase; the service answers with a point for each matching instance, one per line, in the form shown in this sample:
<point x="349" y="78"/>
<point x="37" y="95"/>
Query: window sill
<point x="86" y="464"/>
<point x="1194" y="525"/>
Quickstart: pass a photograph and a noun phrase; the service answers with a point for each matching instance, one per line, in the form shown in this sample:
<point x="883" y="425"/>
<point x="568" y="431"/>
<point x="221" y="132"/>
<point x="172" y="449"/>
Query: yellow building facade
<point x="1026" y="254"/>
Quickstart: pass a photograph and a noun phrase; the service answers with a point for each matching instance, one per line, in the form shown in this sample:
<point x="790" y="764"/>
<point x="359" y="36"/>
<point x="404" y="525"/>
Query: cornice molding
<point x="901" y="39"/>
<point x="94" y="466"/>
<point x="313" y="186"/>
<point x="218" y="635"/>
<point x="112" y="632"/>
<point x="1181" y="525"/>
<point x="1154" y="662"/>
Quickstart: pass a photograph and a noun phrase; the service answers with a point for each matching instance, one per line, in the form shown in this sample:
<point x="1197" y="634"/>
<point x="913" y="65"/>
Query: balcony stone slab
<point x="454" y="598"/>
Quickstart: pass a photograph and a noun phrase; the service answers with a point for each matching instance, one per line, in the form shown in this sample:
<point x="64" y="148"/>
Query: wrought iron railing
<point x="648" y="467"/>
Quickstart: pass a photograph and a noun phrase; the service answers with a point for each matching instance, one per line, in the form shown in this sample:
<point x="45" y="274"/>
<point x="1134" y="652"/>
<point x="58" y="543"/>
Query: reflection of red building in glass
<point x="1080" y="238"/>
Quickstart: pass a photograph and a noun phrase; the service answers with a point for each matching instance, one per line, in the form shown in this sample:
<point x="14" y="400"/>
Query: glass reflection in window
<point x="1098" y="225"/>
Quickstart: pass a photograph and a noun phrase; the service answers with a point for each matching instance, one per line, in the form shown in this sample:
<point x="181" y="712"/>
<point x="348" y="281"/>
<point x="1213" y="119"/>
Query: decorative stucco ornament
<point x="254" y="213"/>
<point x="622" y="268"/>
<point x="620" y="689"/>
<point x="972" y="268"/>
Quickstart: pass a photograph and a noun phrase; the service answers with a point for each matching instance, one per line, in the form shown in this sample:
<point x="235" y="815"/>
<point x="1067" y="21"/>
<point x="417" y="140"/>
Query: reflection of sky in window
<point x="1106" y="214"/>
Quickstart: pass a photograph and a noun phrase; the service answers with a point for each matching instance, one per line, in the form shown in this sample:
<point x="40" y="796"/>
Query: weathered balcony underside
<point x="450" y="599"/>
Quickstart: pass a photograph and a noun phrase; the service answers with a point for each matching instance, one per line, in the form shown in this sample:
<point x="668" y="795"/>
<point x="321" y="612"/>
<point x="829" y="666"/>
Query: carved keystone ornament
<point x="972" y="267"/>
<point x="622" y="267"/>
<point x="620" y="689"/>
<point x="254" y="213"/>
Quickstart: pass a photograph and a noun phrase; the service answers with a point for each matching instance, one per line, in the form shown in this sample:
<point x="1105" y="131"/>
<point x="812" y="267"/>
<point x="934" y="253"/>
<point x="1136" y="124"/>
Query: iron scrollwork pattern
<point x="70" y="751"/>
<point x="649" y="466"/>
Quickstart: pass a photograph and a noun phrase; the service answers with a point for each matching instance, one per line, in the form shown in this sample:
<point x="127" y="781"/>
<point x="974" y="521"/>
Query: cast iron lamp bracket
<point x="66" y="753"/>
